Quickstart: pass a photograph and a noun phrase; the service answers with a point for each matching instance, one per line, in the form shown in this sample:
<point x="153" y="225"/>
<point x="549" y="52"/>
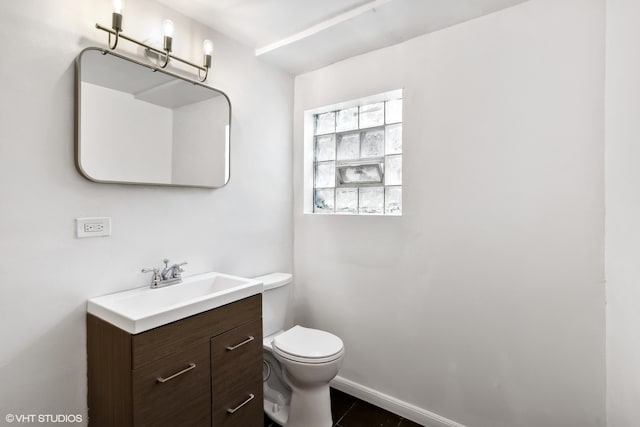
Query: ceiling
<point x="303" y="35"/>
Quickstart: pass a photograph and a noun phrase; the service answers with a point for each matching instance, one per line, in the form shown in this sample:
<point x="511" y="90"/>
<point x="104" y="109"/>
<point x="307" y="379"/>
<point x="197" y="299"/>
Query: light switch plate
<point x="93" y="227"/>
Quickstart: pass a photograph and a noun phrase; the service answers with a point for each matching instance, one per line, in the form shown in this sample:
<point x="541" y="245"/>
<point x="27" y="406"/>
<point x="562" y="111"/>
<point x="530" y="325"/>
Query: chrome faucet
<point x="167" y="276"/>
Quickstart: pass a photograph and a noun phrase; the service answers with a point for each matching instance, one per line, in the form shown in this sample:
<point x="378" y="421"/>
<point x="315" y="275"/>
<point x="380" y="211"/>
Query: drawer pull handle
<point x="177" y="374"/>
<point x="247" y="341"/>
<point x="249" y="399"/>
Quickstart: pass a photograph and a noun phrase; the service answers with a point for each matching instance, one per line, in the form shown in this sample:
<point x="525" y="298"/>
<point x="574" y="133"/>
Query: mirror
<point x="137" y="124"/>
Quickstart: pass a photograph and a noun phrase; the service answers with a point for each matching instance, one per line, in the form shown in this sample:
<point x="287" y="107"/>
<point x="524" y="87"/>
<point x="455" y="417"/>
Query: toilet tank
<point x="275" y="299"/>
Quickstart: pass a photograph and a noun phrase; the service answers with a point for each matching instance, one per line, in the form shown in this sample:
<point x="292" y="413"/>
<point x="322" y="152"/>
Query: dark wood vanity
<point x="204" y="370"/>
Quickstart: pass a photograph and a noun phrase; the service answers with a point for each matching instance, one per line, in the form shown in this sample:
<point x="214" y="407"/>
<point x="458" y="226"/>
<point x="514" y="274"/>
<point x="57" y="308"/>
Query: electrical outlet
<point x="93" y="227"/>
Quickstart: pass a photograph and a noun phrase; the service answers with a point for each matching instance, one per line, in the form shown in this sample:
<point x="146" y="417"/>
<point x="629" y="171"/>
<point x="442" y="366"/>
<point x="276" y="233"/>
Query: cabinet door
<point x="236" y="377"/>
<point x="174" y="390"/>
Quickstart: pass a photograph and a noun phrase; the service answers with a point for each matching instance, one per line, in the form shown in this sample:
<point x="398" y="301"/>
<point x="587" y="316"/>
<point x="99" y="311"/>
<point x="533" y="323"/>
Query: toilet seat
<point x="305" y="345"/>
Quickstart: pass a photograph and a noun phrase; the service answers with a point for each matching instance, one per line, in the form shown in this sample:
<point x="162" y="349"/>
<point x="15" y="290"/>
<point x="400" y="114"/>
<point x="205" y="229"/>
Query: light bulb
<point x="207" y="46"/>
<point x="118" y="5"/>
<point x="167" y="26"/>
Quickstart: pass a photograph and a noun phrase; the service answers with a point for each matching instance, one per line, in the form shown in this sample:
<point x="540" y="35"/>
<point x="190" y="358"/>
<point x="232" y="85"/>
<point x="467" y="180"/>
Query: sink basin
<point x="141" y="309"/>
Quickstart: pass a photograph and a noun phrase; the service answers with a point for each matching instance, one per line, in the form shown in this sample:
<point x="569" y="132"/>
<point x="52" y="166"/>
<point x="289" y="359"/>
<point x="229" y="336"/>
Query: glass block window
<point x="357" y="165"/>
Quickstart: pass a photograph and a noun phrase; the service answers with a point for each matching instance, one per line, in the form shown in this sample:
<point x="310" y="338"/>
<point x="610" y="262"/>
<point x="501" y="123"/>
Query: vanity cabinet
<point x="205" y="370"/>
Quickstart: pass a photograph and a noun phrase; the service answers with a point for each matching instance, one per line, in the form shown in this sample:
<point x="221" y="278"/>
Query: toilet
<point x="298" y="363"/>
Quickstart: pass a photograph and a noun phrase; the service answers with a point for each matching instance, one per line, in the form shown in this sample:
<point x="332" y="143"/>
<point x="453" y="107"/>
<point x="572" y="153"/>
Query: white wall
<point x="484" y="302"/>
<point x="124" y="139"/>
<point x="623" y="212"/>
<point x="47" y="274"/>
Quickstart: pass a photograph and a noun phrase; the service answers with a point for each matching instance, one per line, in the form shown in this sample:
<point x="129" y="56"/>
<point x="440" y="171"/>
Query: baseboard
<point x="391" y="404"/>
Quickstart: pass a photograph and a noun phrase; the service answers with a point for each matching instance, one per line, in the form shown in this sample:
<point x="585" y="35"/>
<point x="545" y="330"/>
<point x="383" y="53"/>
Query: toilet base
<point x="276" y="412"/>
<point x="310" y="407"/>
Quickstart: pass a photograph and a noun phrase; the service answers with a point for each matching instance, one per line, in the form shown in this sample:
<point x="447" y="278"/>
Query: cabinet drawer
<point x="151" y="345"/>
<point x="236" y="374"/>
<point x="247" y="413"/>
<point x="174" y="390"/>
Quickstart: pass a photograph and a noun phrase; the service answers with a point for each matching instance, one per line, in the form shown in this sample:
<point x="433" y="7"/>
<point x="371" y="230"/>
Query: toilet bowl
<point x="299" y="363"/>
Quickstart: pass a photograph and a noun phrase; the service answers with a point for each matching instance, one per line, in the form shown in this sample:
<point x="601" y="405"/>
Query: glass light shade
<point x="118" y="6"/>
<point x="207" y="46"/>
<point x="167" y="27"/>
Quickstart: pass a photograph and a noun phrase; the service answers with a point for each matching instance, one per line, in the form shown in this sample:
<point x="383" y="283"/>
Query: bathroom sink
<point x="141" y="309"/>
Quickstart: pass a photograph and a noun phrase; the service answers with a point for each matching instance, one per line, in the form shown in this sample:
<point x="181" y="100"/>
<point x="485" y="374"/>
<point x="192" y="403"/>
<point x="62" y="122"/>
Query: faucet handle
<point x="155" y="279"/>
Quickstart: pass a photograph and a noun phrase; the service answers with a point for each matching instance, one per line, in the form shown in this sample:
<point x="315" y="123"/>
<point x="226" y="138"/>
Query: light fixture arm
<point x="201" y="78"/>
<point x="167" y="57"/>
<point x="160" y="53"/>
<point x="115" y="41"/>
<point x="116" y="24"/>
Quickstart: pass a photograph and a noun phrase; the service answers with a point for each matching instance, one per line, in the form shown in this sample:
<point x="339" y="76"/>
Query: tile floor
<point x="349" y="411"/>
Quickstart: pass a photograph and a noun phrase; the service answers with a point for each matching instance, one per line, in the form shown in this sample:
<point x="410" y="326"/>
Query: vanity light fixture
<point x="207" y="47"/>
<point x="164" y="55"/>
<point x="116" y="21"/>
<point x="167" y="40"/>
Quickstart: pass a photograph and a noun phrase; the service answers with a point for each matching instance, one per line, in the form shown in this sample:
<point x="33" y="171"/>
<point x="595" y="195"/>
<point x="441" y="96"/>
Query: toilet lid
<point x="308" y="343"/>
